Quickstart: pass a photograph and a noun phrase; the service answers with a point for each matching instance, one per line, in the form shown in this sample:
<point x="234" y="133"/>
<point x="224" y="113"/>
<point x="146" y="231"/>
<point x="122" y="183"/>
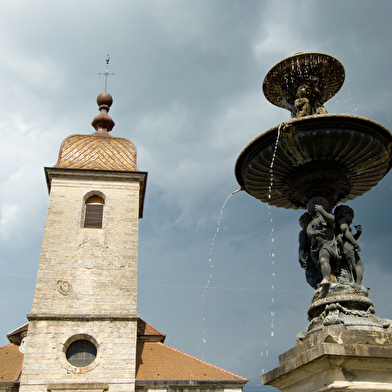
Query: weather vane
<point x="106" y="73"/>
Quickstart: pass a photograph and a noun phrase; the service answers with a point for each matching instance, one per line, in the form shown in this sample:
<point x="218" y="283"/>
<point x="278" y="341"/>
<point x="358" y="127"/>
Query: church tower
<point x="83" y="324"/>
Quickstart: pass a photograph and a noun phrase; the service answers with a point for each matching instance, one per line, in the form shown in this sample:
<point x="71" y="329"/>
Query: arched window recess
<point x="93" y="212"/>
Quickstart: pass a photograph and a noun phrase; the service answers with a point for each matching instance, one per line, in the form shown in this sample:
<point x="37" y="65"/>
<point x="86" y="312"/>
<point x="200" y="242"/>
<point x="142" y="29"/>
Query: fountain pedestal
<point x="336" y="359"/>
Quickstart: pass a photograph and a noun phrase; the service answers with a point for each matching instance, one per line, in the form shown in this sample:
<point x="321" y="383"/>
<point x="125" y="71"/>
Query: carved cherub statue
<point x="348" y="244"/>
<point x="323" y="244"/>
<point x="302" y="103"/>
<point x="316" y="96"/>
<point x="312" y="273"/>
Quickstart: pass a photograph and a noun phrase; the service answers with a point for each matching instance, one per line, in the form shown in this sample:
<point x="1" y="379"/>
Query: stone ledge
<point x="78" y="386"/>
<point x="60" y="317"/>
<point x="357" y="386"/>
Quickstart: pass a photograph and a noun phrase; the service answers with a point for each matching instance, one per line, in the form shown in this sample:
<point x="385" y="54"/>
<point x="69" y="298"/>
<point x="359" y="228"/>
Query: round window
<point x="81" y="353"/>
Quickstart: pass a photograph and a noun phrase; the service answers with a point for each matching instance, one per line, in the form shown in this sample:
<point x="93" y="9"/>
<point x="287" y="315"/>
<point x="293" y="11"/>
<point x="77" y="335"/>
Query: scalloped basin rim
<point x="296" y="131"/>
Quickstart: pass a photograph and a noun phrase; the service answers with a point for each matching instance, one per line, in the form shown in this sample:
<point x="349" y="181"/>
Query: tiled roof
<point x="97" y="152"/>
<point x="11" y="360"/>
<point x="158" y="361"/>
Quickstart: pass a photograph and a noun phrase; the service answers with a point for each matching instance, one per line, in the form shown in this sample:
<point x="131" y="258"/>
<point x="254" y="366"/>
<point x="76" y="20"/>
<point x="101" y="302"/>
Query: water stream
<point x="271" y="254"/>
<point x="211" y="265"/>
<point x="271" y="257"/>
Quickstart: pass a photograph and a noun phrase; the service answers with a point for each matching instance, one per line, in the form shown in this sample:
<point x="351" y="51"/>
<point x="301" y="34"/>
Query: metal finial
<point x="106" y="73"/>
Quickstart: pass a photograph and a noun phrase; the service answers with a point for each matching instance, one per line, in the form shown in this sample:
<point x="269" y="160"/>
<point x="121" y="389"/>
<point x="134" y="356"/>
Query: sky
<point x="225" y="284"/>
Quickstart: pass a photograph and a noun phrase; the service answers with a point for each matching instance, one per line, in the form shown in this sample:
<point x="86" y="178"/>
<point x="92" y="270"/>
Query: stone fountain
<point x="317" y="161"/>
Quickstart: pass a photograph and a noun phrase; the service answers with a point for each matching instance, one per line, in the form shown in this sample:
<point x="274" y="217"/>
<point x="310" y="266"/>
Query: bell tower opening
<point x="93" y="212"/>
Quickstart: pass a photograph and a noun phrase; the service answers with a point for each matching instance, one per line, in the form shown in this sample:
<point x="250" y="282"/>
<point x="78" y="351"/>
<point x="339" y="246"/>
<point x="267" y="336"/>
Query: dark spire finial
<point x="103" y="122"/>
<point x="106" y="73"/>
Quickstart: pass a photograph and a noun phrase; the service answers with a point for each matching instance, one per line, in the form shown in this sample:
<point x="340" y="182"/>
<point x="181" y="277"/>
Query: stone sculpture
<point x="351" y="264"/>
<point x="307" y="100"/>
<point x="312" y="272"/>
<point x="323" y="245"/>
<point x="328" y="250"/>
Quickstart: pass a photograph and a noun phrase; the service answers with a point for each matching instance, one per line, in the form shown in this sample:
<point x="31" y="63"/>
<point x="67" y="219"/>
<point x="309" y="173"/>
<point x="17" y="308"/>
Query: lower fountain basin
<point x="339" y="157"/>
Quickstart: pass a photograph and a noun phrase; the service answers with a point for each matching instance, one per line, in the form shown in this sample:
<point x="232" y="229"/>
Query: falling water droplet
<point x="210" y="258"/>
<point x="270" y="195"/>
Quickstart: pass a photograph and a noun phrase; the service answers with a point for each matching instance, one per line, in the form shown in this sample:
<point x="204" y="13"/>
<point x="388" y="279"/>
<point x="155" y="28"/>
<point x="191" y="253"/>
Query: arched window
<point x="93" y="214"/>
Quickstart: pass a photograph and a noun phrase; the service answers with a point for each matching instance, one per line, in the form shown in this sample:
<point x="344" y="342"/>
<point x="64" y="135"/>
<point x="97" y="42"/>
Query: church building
<point x="83" y="332"/>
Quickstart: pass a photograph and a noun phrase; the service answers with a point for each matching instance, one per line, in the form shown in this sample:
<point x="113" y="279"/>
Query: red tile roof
<point x="11" y="360"/>
<point x="158" y="361"/>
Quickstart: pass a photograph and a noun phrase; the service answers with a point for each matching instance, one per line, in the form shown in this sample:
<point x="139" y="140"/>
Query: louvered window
<point x="93" y="215"/>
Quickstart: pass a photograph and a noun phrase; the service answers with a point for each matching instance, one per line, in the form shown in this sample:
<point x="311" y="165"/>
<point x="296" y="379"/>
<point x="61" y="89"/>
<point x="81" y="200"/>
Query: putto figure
<point x="328" y="249"/>
<point x="323" y="245"/>
<point x="307" y="100"/>
<point x="312" y="273"/>
<point x="351" y="263"/>
<point x="302" y="103"/>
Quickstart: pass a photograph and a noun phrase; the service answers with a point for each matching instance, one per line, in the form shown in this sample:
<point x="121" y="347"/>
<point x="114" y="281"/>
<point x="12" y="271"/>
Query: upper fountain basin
<point x="335" y="156"/>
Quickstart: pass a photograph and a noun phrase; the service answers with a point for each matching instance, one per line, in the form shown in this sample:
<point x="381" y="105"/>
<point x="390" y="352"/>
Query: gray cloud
<point x="187" y="92"/>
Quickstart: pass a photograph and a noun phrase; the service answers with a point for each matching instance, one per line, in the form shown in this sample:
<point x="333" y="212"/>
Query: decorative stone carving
<point x="64" y="287"/>
<point x="328" y="250"/>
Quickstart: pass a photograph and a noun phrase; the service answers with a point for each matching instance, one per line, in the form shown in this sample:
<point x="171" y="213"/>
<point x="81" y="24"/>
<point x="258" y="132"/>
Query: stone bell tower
<point x="83" y="323"/>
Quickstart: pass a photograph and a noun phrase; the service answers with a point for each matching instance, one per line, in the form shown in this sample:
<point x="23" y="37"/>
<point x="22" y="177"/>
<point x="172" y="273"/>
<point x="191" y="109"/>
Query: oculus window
<point x="81" y="353"/>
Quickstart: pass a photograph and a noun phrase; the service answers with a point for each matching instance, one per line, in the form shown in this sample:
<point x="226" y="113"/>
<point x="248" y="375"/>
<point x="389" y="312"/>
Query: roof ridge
<point x="204" y="362"/>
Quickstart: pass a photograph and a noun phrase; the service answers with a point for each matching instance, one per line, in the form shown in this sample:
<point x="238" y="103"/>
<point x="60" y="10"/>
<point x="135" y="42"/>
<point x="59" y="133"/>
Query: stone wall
<point x="98" y="266"/>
